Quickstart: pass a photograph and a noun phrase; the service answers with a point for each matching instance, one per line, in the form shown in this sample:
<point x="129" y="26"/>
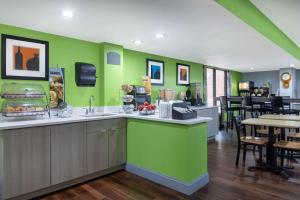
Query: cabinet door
<point x="97" y="151"/>
<point x="26" y="160"/>
<point x="117" y="146"/>
<point x="68" y="152"/>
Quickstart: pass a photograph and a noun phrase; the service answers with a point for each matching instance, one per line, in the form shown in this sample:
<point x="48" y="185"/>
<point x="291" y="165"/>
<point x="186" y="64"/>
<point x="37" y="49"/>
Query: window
<point x="216" y="84"/>
<point x="210" y="87"/>
<point x="220" y="85"/>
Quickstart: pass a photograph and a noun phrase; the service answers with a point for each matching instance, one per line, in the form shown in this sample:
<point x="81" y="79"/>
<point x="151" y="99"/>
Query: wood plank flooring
<point x="226" y="182"/>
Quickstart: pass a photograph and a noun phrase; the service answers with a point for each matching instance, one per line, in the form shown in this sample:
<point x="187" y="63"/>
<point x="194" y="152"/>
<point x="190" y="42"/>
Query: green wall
<point x="64" y="52"/>
<point x="174" y="150"/>
<point x="135" y="68"/>
<point x="235" y="78"/>
<point x="113" y="76"/>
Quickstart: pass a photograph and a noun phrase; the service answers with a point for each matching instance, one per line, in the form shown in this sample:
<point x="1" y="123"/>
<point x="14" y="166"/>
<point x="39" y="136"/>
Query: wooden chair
<point x="261" y="131"/>
<point x="278" y="106"/>
<point x="250" y="107"/>
<point x="247" y="140"/>
<point x="264" y="132"/>
<point x="293" y="137"/>
<point x="286" y="146"/>
<point x="225" y="108"/>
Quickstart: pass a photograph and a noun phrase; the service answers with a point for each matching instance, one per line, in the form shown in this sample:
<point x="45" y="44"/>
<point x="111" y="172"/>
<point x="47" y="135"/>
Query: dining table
<point x="281" y="117"/>
<point x="271" y="163"/>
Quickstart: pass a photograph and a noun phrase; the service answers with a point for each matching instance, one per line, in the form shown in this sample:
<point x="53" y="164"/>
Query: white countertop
<point x="14" y="124"/>
<point x="202" y="107"/>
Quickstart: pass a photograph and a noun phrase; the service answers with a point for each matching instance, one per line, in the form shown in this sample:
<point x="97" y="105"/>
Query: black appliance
<point x="193" y="95"/>
<point x="140" y="95"/>
<point x="245" y="88"/>
<point x="85" y="74"/>
<point x="181" y="111"/>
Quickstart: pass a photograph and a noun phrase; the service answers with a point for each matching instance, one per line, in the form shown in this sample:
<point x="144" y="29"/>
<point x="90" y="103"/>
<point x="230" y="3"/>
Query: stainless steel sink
<point x="99" y="114"/>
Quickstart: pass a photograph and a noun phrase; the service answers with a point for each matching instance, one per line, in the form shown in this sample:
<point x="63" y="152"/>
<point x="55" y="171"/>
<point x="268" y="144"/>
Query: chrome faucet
<point x="91" y="109"/>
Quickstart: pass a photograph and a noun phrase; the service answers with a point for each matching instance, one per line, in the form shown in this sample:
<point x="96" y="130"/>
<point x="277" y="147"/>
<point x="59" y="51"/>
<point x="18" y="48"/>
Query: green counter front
<point x="174" y="155"/>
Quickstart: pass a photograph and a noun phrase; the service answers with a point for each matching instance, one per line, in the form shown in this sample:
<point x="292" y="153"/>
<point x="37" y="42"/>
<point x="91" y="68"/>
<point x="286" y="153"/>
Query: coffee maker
<point x="193" y="94"/>
<point x="140" y="95"/>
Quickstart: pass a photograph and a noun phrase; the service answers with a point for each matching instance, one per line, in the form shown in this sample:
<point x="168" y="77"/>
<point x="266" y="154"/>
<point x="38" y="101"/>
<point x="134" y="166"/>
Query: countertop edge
<point x="8" y="125"/>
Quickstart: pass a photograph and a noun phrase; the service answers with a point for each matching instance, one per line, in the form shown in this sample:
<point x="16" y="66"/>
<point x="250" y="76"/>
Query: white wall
<point x="260" y="78"/>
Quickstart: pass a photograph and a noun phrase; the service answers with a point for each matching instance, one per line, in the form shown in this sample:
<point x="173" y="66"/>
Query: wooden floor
<point x="226" y="182"/>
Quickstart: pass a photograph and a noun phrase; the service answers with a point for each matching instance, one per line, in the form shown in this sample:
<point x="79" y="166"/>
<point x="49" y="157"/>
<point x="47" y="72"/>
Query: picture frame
<point x="182" y="74"/>
<point x="155" y="69"/>
<point x="24" y="58"/>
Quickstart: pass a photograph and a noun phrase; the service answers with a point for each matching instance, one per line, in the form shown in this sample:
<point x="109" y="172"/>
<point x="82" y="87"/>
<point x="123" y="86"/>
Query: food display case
<point x="24" y="100"/>
<point x="24" y="90"/>
<point x="23" y="107"/>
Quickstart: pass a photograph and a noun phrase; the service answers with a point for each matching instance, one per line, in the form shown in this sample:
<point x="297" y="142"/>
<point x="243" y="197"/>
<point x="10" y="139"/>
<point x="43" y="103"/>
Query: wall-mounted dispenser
<point x="85" y="74"/>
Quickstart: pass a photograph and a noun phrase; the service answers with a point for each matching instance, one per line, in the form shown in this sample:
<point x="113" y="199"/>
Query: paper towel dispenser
<point x="85" y="74"/>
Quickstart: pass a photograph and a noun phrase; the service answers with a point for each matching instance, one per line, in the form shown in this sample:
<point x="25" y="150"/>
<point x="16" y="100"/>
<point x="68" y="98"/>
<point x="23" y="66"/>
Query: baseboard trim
<point x="185" y="188"/>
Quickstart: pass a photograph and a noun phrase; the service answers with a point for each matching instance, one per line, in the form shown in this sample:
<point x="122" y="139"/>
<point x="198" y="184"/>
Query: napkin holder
<point x="181" y="111"/>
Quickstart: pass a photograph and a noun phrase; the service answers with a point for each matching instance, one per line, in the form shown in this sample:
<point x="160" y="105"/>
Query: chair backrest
<point x="276" y="103"/>
<point x="286" y="103"/>
<point x="248" y="101"/>
<point x="223" y="102"/>
<point x="238" y="126"/>
<point x="255" y="114"/>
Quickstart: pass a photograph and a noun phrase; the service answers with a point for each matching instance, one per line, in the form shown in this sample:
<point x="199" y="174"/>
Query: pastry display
<point x="24" y="90"/>
<point x="15" y="107"/>
<point x="18" y="109"/>
<point x="56" y="88"/>
<point x="127" y="88"/>
<point x="23" y="100"/>
<point x="53" y="99"/>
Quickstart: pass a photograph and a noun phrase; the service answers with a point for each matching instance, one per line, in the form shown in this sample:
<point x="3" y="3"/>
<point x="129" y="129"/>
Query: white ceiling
<point x="199" y="31"/>
<point x="285" y="14"/>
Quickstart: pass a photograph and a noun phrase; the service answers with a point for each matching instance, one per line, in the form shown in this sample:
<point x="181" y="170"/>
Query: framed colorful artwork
<point x="155" y="70"/>
<point x="183" y="74"/>
<point x="24" y="58"/>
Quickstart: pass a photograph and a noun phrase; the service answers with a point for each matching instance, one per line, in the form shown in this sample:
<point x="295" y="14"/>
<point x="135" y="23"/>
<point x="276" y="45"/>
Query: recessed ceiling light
<point x="292" y="65"/>
<point x="160" y="35"/>
<point x="251" y="68"/>
<point x="67" y="14"/>
<point x="137" y="42"/>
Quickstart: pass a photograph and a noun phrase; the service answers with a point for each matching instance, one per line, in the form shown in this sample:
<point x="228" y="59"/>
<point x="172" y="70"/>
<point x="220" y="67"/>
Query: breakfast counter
<point x="7" y="123"/>
<point x="68" y="151"/>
